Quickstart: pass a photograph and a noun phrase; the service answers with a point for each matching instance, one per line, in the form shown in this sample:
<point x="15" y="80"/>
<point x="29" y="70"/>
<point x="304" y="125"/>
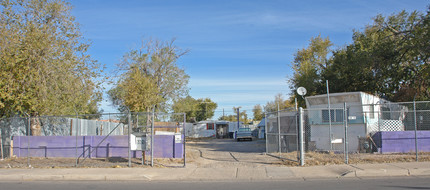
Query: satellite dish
<point x="301" y="91"/>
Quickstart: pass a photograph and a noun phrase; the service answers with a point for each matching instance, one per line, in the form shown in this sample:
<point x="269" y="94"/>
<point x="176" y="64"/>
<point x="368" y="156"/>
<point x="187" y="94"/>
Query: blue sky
<point x="240" y="50"/>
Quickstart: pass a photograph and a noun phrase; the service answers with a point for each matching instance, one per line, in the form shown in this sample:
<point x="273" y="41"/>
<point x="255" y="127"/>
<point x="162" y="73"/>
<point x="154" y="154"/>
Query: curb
<point x="74" y="178"/>
<point x="217" y="174"/>
<point x="349" y="175"/>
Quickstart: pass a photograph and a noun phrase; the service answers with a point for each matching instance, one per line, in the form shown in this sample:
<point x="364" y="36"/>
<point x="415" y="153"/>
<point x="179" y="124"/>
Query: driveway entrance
<point x="230" y="153"/>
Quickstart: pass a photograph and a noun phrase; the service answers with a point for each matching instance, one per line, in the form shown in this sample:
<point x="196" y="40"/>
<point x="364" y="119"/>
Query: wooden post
<point x="107" y="152"/>
<point x="1" y="142"/>
<point x="11" y="148"/>
<point x="143" y="157"/>
<point x="71" y="127"/>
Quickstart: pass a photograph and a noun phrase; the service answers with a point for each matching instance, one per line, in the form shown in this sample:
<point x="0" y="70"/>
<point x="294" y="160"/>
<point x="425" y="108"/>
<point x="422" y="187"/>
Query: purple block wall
<point x="113" y="146"/>
<point x="401" y="141"/>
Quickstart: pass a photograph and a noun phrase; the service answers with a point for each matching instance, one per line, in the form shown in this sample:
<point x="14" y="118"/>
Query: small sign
<point x="178" y="138"/>
<point x="337" y="141"/>
<point x="138" y="142"/>
<point x="352" y="117"/>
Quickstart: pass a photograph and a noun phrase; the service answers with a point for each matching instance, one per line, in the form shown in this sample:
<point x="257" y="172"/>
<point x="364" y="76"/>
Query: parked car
<point x="243" y="134"/>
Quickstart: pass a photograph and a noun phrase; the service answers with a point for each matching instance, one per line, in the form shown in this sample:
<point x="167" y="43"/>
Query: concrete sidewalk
<point x="191" y="173"/>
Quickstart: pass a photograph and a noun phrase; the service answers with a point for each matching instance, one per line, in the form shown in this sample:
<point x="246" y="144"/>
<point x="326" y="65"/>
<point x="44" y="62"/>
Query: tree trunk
<point x="36" y="129"/>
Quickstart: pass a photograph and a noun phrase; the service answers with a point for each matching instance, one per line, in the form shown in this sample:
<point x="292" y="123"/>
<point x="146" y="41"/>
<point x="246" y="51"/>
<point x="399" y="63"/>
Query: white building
<point x="366" y="114"/>
<point x="217" y="129"/>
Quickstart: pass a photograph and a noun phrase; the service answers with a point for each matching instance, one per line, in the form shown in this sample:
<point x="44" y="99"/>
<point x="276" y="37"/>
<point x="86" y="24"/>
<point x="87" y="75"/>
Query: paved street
<point x="351" y="184"/>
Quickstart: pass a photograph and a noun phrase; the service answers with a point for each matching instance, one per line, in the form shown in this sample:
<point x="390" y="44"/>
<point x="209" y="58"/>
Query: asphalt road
<point x="350" y="184"/>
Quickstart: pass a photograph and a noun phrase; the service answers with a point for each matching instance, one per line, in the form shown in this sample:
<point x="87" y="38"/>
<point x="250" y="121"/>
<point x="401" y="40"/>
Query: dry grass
<point x="330" y="158"/>
<point x="194" y="156"/>
<point x="36" y="162"/>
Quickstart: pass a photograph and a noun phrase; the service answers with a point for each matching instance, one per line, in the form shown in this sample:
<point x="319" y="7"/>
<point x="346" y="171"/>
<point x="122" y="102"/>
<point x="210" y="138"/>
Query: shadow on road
<point x="232" y="152"/>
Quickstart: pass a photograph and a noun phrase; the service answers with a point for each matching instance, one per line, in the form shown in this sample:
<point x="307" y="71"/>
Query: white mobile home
<point x="210" y="128"/>
<point x="365" y="115"/>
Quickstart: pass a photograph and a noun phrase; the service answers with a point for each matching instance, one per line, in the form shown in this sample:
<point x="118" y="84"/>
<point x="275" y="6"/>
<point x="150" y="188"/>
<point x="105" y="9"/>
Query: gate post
<point x="152" y="136"/>
<point x="129" y="138"/>
<point x="345" y="113"/>
<point x="185" y="136"/>
<point x="302" y="149"/>
<point x="265" y="133"/>
<point x="279" y="131"/>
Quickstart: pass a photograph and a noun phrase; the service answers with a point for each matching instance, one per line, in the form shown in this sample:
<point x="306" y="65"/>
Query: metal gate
<point x="282" y="134"/>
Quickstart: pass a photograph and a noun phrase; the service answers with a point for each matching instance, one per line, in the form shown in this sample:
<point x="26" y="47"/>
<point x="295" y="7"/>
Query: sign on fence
<point x="178" y="138"/>
<point x="138" y="141"/>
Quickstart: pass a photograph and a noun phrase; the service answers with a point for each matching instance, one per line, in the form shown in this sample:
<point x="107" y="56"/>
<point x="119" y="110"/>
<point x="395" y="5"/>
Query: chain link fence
<point x="378" y="132"/>
<point x="282" y="134"/>
<point x="358" y="133"/>
<point x="101" y="140"/>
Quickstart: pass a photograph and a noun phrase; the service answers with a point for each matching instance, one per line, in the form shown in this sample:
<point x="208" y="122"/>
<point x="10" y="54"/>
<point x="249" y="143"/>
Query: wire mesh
<point x="100" y="140"/>
<point x="282" y="134"/>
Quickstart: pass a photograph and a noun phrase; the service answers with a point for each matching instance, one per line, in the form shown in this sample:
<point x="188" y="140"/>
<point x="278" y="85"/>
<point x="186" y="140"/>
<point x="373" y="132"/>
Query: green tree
<point x="196" y="110"/>
<point x="388" y="59"/>
<point x="187" y="105"/>
<point x="258" y="112"/>
<point x="243" y="116"/>
<point x="136" y="91"/>
<point x="272" y="106"/>
<point x="205" y="109"/>
<point x="153" y="67"/>
<point x="44" y="65"/>
<point x="308" y="65"/>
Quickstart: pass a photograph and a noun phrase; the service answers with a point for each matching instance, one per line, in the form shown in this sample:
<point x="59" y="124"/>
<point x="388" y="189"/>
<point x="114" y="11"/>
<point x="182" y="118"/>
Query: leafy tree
<point x="205" y="109"/>
<point x="308" y="64"/>
<point x="44" y="65"/>
<point x="187" y="105"/>
<point x="196" y="110"/>
<point x="258" y="112"/>
<point x="272" y="106"/>
<point x="137" y="91"/>
<point x="153" y="67"/>
<point x="243" y="117"/>
<point x="388" y="58"/>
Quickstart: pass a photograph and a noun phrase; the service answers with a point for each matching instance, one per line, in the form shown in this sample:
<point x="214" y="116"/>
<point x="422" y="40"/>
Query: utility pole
<point x="238" y="118"/>
<point x="206" y="109"/>
<point x="329" y="117"/>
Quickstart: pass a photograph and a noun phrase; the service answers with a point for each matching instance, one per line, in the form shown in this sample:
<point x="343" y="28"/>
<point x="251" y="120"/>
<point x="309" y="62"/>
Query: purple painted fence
<point x="401" y="141"/>
<point x="113" y="146"/>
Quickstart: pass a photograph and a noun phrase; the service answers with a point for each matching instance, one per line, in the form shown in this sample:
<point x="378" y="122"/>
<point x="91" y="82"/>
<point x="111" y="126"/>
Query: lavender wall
<point x="401" y="141"/>
<point x="113" y="146"/>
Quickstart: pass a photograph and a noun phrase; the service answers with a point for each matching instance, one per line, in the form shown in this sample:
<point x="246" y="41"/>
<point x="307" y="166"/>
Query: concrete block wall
<point x="401" y="141"/>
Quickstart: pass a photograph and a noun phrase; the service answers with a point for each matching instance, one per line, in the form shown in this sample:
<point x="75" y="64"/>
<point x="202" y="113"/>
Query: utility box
<point x="138" y="141"/>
